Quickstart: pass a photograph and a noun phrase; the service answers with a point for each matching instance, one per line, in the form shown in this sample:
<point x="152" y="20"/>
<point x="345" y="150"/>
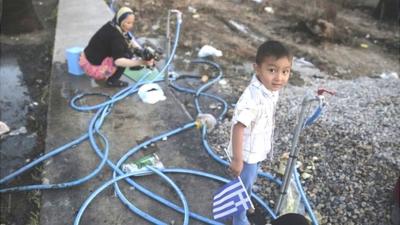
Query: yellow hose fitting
<point x="198" y="124"/>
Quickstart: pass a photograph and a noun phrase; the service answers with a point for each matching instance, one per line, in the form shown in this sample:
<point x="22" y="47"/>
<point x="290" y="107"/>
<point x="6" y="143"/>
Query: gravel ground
<point x="351" y="153"/>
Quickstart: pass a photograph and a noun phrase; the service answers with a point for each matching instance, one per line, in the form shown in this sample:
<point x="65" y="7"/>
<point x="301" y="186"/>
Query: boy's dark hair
<point x="272" y="49"/>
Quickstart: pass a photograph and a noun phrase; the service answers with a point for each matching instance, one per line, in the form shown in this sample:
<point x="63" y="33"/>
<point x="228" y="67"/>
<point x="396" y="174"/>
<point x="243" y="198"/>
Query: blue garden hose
<point x="309" y="121"/>
<point x="316" y="114"/>
<point x="225" y="163"/>
<point x="54" y="152"/>
<point x="105" y="106"/>
<point x="146" y="143"/>
<point x="208" y="84"/>
<point x="99" y="190"/>
<point x="217" y="98"/>
<point x="138" y="187"/>
<point x="177" y="33"/>
<point x="178" y="191"/>
<point x="304" y="198"/>
<point x="117" y="97"/>
<point x="93" y="143"/>
<point x="204" y="132"/>
<point x="50" y="154"/>
<point x="221" y="179"/>
<point x="120" y="95"/>
<point x="145" y="190"/>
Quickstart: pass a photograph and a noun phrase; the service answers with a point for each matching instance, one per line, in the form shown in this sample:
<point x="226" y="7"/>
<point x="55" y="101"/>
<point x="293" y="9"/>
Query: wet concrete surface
<point x="25" y="65"/>
<point x="23" y="108"/>
<point x="15" y="103"/>
<point x="130" y="123"/>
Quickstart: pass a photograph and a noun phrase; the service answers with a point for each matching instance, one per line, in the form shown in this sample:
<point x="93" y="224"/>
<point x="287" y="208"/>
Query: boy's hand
<point x="235" y="168"/>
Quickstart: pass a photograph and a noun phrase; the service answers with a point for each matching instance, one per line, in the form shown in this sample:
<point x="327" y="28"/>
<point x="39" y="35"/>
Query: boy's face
<point x="273" y="73"/>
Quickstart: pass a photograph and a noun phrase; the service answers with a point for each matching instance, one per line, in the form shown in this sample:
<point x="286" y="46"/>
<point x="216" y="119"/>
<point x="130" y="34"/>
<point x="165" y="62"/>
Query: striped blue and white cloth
<point x="230" y="199"/>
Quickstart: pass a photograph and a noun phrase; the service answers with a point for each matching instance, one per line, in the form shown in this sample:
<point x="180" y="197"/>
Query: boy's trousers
<point x="248" y="176"/>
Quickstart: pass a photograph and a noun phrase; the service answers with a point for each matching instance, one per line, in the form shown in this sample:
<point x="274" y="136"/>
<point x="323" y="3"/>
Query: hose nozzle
<point x="178" y="14"/>
<point x="207" y="120"/>
<point x="321" y="91"/>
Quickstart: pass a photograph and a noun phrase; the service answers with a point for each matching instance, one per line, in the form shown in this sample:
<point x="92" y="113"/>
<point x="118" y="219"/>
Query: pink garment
<point x="98" y="72"/>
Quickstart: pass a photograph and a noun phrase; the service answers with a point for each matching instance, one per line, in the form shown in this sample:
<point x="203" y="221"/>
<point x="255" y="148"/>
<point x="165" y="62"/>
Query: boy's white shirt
<point x="255" y="109"/>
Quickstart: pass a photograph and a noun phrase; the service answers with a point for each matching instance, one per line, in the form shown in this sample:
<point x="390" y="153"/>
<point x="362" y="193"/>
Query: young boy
<point x="253" y="119"/>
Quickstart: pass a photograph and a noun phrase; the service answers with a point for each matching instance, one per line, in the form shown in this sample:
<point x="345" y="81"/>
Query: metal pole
<point x="168" y="35"/>
<point x="293" y="152"/>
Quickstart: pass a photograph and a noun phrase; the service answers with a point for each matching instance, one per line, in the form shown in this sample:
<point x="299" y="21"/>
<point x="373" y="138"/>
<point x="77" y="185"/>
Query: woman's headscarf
<point x="122" y="13"/>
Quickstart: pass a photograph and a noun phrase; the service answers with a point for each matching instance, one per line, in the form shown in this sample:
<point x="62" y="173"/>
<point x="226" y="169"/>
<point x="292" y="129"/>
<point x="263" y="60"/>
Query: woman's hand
<point x="236" y="167"/>
<point x="125" y="62"/>
<point x="149" y="63"/>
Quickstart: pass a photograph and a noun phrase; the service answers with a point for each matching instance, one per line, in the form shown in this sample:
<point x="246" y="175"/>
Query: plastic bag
<point x="292" y="200"/>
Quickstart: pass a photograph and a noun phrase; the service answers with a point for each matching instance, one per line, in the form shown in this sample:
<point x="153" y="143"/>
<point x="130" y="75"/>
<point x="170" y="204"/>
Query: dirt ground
<point x="355" y="44"/>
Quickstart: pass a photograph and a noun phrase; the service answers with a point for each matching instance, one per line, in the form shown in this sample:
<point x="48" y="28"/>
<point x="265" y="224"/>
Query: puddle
<point x="14" y="106"/>
<point x="14" y="95"/>
<point x="18" y="111"/>
<point x="23" y="87"/>
<point x="24" y="78"/>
